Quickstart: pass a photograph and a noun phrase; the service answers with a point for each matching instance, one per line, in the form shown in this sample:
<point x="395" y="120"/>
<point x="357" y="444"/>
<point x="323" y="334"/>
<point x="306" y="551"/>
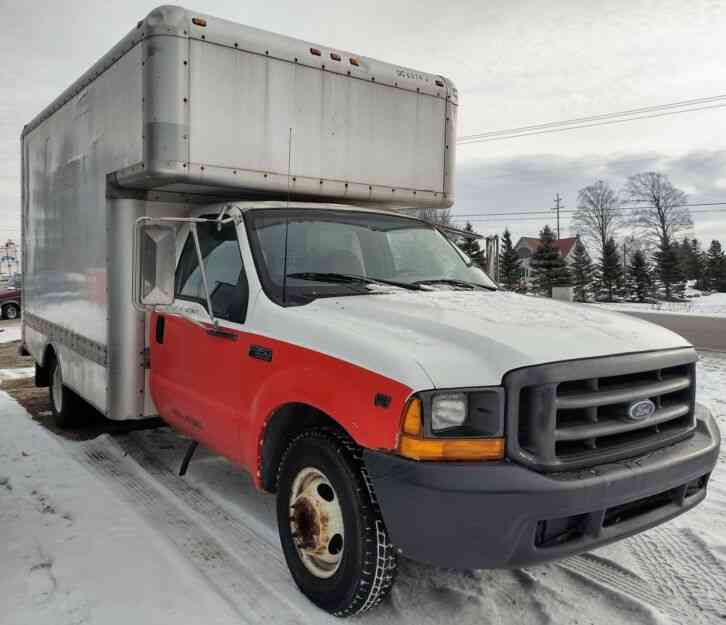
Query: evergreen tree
<point x="582" y="272"/>
<point x="668" y="270"/>
<point x="510" y="265"/>
<point x="639" y="277"/>
<point x="685" y="258"/>
<point x="610" y="278"/>
<point x="716" y="267"/>
<point x="549" y="269"/>
<point x="698" y="266"/>
<point x="470" y="246"/>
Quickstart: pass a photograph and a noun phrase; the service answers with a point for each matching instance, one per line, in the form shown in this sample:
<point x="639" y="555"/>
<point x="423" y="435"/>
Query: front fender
<point x="345" y="392"/>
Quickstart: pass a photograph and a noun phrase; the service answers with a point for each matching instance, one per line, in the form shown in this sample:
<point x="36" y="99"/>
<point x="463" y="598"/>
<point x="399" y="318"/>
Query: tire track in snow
<point x="224" y="524"/>
<point x="237" y="578"/>
<point x="683" y="569"/>
<point x="612" y="576"/>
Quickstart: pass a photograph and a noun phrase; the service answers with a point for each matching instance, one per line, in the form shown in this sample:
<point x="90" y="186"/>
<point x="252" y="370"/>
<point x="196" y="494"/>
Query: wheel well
<point x="42" y="368"/>
<point x="49" y="356"/>
<point x="284" y="425"/>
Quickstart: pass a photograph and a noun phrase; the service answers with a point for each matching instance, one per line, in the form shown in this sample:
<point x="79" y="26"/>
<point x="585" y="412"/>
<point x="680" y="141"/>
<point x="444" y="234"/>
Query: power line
<point x="604" y="123"/>
<point x="571" y="210"/>
<point x="576" y="123"/>
<point x="535" y="216"/>
<point x="579" y="120"/>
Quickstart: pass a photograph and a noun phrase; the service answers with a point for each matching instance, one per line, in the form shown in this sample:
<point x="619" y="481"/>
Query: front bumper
<point x="503" y="515"/>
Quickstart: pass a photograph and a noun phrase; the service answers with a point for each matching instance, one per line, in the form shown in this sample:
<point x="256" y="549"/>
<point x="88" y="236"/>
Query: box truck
<point x="212" y="234"/>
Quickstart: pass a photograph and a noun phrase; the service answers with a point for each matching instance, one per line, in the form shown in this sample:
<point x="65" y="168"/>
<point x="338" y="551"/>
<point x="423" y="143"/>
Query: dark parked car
<point x="10" y="296"/>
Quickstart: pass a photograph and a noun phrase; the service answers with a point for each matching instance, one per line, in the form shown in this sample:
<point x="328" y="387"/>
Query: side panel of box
<point x="65" y="224"/>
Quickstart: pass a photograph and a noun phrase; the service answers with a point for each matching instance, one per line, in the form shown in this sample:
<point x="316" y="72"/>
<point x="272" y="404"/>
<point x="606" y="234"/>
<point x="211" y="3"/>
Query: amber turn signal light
<point x="452" y="449"/>
<point x="412" y="420"/>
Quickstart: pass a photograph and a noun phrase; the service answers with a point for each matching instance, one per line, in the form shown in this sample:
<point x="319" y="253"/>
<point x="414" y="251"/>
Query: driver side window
<point x="225" y="273"/>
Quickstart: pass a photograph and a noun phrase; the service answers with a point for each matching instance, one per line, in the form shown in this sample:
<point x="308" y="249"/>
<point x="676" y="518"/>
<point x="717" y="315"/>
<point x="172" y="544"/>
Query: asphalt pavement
<point x="703" y="332"/>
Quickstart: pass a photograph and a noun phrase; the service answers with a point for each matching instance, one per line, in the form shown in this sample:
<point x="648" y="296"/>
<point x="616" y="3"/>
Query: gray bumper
<point x="501" y="515"/>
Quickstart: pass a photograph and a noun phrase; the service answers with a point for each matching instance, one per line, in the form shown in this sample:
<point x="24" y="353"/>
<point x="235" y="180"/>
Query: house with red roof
<point x="527" y="246"/>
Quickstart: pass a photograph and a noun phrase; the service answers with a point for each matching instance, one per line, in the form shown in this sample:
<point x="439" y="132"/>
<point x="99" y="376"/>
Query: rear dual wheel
<point x="332" y="534"/>
<point x="68" y="409"/>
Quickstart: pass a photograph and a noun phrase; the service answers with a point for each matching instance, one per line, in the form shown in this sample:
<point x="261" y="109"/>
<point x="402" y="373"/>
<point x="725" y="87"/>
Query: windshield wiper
<point x="453" y="282"/>
<point x="345" y="278"/>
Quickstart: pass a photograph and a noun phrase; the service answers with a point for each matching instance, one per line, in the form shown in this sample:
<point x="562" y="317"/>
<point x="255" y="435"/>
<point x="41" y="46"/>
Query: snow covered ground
<point x="10" y="332"/>
<point x="103" y="531"/>
<point x="713" y="305"/>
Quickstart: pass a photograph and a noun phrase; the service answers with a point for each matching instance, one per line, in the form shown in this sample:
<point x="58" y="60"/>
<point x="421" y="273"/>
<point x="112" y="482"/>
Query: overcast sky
<point x="515" y="63"/>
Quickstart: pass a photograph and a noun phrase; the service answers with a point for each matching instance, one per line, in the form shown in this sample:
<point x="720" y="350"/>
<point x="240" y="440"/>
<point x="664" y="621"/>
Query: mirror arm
<point x="222" y="219"/>
<point x="203" y="269"/>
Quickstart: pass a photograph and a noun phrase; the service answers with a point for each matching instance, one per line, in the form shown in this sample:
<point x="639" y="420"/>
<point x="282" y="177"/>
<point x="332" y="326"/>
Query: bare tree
<point x="598" y="216"/>
<point x="660" y="214"/>
<point x="436" y="216"/>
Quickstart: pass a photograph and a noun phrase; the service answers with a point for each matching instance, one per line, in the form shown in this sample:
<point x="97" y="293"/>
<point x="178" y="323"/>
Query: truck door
<point x="196" y="368"/>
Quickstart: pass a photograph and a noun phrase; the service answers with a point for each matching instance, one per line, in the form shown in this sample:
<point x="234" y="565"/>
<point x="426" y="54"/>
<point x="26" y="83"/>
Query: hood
<point x="471" y="338"/>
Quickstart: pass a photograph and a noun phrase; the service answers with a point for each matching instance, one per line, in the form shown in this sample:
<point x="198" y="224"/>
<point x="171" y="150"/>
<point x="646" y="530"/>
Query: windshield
<point x="327" y="253"/>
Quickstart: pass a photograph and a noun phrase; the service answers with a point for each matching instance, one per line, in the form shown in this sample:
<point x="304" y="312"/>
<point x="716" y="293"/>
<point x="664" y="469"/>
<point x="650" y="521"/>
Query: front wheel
<point x="332" y="534"/>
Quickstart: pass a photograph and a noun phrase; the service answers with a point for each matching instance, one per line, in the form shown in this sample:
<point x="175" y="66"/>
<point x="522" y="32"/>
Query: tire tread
<point x="378" y="571"/>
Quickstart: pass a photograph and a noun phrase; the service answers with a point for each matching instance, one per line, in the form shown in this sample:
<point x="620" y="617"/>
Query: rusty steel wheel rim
<point x="316" y="523"/>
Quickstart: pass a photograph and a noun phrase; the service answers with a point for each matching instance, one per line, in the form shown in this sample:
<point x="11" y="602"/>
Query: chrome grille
<point x="577" y="414"/>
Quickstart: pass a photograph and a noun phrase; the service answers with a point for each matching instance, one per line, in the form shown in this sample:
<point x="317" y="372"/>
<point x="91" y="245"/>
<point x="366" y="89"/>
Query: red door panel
<point x="195" y="382"/>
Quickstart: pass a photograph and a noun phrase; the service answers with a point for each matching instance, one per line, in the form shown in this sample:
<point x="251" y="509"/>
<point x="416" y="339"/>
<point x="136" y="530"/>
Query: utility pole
<point x="557" y="207"/>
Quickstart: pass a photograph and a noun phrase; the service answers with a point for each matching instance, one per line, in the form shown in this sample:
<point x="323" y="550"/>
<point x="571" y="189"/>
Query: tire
<point x="340" y="555"/>
<point x="66" y="406"/>
<point x="11" y="311"/>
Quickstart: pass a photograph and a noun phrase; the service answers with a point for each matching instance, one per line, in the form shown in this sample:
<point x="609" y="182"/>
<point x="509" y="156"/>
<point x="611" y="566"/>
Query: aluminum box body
<point x="191" y="104"/>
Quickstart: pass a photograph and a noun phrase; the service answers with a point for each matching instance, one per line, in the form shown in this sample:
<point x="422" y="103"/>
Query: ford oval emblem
<point x="639" y="410"/>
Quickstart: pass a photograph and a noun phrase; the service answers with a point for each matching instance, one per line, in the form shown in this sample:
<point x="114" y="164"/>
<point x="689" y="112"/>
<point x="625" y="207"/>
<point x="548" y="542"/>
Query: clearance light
<point x="315" y="52"/>
<point x="354" y="61"/>
<point x="334" y="56"/>
<point x="198" y="21"/>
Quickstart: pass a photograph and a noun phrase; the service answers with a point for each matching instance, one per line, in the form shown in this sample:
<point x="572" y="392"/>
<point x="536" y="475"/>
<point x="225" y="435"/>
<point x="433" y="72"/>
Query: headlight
<point x="478" y="412"/>
<point x="448" y="410"/>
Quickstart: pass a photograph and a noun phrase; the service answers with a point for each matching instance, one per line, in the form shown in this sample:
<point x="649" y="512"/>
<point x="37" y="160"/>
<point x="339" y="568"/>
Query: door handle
<point x="223" y="334"/>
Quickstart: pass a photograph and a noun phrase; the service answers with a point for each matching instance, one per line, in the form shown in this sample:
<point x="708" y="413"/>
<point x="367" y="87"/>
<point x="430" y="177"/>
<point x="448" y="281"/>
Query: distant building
<point x="527" y="246"/>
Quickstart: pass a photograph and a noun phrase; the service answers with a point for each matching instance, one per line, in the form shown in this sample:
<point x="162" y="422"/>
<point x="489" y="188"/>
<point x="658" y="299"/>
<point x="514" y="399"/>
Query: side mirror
<point x="154" y="260"/>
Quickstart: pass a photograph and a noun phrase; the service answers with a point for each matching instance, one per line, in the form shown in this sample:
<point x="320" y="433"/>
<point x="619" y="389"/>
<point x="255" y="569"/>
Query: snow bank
<point x="72" y="552"/>
<point x="16" y="374"/>
<point x="713" y="305"/>
<point x="10" y="333"/>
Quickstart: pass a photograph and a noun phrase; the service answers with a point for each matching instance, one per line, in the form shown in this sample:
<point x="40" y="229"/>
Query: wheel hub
<point x="316" y="522"/>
